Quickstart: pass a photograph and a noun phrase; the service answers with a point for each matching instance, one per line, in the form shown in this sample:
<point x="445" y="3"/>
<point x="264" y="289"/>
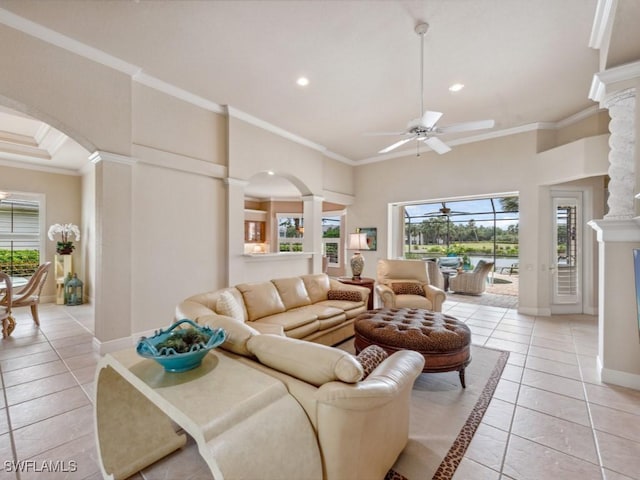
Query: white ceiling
<point x="522" y="61"/>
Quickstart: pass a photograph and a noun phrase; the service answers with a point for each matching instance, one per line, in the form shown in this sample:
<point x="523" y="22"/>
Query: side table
<point x="362" y="282"/>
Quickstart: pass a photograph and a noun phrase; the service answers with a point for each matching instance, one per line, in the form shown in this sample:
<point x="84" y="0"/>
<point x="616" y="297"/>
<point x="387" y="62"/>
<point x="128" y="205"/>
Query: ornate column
<point x="621" y="106"/>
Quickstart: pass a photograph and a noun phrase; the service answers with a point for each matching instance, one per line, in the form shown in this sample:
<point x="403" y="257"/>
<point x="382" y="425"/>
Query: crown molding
<point x="602" y="22"/>
<point x="51" y="36"/>
<point x="269" y="127"/>
<point x="100" y="156"/>
<point x="602" y="80"/>
<point x="177" y="92"/>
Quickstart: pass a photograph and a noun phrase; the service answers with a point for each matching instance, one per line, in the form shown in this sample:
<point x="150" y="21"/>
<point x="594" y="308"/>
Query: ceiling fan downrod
<point x="421" y="29"/>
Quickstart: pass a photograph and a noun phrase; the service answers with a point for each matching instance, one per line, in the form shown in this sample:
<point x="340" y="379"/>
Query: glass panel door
<point x="566" y="264"/>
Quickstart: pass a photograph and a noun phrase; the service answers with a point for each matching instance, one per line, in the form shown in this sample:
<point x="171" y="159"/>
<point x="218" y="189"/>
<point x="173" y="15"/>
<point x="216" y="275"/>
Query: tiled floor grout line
<point x="593" y="427"/>
<point x="515" y="406"/>
<point x="9" y="426"/>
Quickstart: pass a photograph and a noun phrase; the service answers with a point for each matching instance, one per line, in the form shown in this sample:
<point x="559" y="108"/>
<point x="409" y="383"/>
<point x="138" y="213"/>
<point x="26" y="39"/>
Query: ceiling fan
<point x="425" y="128"/>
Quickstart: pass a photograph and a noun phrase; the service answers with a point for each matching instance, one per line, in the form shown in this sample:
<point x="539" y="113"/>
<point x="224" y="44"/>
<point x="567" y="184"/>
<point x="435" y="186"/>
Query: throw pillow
<point x="227" y="305"/>
<point x="348" y="295"/>
<point x="407" y="288"/>
<point x="370" y="358"/>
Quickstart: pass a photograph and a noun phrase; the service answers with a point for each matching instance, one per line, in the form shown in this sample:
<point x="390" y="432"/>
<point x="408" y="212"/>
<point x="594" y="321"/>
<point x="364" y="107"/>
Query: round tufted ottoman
<point x="442" y="340"/>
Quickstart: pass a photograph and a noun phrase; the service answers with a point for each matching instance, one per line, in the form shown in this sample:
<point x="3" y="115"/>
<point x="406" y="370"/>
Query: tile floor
<point x="550" y="417"/>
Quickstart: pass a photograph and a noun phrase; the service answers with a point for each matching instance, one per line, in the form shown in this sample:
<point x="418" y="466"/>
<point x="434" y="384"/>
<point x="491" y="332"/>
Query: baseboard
<point x="539" y="312"/>
<point x="112" y="345"/>
<point x="616" y="377"/>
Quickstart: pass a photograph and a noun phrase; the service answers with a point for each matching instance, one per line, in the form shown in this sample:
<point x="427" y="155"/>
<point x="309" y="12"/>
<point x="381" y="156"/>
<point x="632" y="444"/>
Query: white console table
<point x="238" y="416"/>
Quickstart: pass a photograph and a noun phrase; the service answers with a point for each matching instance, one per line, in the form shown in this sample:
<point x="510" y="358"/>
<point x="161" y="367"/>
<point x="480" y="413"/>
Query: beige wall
<point x="88" y="231"/>
<point x="62" y="204"/>
<point x="89" y="102"/>
<point x="175" y="126"/>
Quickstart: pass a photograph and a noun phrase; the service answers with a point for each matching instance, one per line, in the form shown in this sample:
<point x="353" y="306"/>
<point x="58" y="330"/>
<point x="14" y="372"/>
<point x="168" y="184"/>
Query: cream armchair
<point x="405" y="283"/>
<point x="473" y="283"/>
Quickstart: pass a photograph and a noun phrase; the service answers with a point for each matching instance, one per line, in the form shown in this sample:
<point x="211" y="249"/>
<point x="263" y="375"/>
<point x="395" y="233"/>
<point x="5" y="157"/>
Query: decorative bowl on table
<point x="179" y="349"/>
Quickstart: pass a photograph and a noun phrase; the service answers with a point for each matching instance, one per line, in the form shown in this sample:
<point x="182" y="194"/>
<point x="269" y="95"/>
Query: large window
<point x="20" y="239"/>
<point x="485" y="227"/>
<point x="331" y="238"/>
<point x="290" y="232"/>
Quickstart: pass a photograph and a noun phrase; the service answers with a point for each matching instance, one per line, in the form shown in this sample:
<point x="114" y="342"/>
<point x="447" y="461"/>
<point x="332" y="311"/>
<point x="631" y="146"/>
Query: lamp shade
<point x="358" y="241"/>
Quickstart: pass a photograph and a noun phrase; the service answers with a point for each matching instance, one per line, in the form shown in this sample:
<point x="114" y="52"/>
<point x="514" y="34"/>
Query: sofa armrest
<point x="191" y="310"/>
<point x="387" y="297"/>
<point x="393" y="375"/>
<point x="436" y="296"/>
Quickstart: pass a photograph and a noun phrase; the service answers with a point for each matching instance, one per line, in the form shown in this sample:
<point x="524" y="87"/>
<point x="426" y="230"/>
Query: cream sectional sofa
<point x="360" y="425"/>
<point x="312" y="307"/>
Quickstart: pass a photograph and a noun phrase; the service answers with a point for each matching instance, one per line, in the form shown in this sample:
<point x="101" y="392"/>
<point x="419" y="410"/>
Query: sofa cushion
<point x="229" y="306"/>
<point x="311" y="362"/>
<point x="292" y="319"/>
<point x="407" y="288"/>
<point x="370" y="358"/>
<point x="261" y="299"/>
<point x="322" y="312"/>
<point x="317" y="286"/>
<point x="292" y="292"/>
<point x="348" y="295"/>
<point x="238" y="333"/>
<point x="340" y="304"/>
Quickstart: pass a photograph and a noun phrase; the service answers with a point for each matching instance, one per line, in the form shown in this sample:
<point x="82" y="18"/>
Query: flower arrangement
<point x="65" y="246"/>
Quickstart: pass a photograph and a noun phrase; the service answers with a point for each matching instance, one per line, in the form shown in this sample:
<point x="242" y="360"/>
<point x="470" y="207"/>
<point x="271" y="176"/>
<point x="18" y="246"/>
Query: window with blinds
<point x="19" y="236"/>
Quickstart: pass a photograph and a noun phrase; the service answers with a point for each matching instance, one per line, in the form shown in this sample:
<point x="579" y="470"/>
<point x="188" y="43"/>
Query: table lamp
<point x="357" y="241"/>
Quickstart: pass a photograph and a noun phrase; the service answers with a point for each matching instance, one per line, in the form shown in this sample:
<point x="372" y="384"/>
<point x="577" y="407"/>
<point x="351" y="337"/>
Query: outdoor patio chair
<point x="473" y="283"/>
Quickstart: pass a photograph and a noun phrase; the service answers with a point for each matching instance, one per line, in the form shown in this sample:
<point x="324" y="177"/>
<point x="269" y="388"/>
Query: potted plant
<point x="64" y="246"/>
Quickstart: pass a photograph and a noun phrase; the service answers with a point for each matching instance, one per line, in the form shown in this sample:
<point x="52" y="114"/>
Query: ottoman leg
<point x="462" y="377"/>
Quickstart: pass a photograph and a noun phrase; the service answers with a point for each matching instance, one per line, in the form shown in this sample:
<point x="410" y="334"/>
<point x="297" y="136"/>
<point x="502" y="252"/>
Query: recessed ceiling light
<point x="456" y="87"/>
<point x="270" y="172"/>
<point x="303" y="81"/>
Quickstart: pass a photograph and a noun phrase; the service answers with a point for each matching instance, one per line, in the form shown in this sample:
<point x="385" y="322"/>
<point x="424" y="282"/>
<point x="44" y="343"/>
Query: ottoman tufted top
<point x="413" y="329"/>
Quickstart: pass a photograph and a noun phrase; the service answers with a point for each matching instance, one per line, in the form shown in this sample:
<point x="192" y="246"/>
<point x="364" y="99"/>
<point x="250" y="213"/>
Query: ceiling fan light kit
<point x="424" y="129"/>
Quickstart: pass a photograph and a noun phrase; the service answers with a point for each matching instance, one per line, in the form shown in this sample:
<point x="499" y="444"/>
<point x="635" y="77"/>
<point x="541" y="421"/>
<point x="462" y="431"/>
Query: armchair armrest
<point x="436" y="296"/>
<point x="387" y="297"/>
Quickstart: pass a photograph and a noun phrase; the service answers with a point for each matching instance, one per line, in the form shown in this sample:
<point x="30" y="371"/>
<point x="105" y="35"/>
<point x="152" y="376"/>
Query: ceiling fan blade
<point x="467" y="126"/>
<point x="429" y="119"/>
<point x="437" y="145"/>
<point x="377" y="134"/>
<point x="396" y="145"/>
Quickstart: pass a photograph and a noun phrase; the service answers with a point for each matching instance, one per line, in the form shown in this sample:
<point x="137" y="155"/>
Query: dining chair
<point x="8" y="323"/>
<point x="29" y="295"/>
